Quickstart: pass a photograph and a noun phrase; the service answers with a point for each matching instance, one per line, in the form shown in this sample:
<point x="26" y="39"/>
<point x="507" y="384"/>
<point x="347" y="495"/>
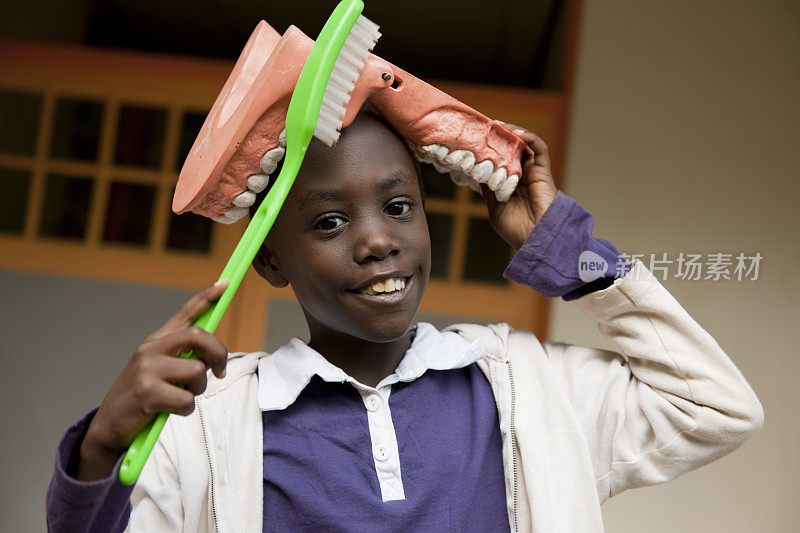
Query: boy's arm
<point x="153" y="503"/>
<point x="549" y="260"/>
<point x="672" y="400"/>
<point x="72" y="505"/>
<point x="85" y="493"/>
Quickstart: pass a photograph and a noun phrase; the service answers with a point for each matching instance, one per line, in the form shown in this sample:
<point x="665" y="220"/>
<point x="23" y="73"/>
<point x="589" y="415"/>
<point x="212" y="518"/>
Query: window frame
<point x="189" y="85"/>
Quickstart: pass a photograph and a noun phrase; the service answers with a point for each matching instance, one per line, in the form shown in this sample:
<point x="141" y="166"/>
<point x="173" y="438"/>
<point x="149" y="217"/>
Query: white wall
<point x="685" y="136"/>
<point x="63" y="342"/>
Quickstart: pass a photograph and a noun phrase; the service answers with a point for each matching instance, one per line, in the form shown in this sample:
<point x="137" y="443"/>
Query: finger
<point x="205" y="346"/>
<point x="168" y="397"/>
<point x="191" y="310"/>
<point x="517" y="130"/>
<point x="541" y="152"/>
<point x="510" y="126"/>
<point x="189" y="372"/>
<point x="535" y="174"/>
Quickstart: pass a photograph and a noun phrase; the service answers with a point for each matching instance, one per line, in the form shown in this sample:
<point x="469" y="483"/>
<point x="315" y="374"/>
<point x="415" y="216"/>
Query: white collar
<point x="283" y="374"/>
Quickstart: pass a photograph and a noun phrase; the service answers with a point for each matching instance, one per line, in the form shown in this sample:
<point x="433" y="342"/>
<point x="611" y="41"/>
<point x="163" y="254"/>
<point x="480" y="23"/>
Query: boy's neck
<point x="367" y="362"/>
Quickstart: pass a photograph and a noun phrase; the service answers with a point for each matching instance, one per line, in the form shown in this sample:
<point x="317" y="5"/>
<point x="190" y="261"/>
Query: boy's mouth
<point x="384" y="286"/>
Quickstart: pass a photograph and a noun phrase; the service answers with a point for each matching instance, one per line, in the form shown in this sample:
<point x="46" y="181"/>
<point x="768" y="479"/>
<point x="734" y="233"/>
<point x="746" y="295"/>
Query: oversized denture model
<point x="243" y="137"/>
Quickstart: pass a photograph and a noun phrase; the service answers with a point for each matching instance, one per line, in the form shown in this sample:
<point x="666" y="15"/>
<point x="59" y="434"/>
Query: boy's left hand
<point x="514" y="220"/>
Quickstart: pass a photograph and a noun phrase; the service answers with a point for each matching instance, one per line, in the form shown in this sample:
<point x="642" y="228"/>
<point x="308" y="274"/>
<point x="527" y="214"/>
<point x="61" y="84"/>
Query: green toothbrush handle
<point x="234" y="271"/>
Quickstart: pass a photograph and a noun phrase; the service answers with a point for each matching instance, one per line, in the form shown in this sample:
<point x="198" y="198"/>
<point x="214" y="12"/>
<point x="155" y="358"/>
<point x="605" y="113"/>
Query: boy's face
<point x="354" y="216"/>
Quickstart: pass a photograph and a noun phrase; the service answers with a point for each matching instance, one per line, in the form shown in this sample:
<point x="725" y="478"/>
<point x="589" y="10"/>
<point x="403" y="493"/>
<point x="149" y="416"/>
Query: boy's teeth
<point x="384" y="286"/>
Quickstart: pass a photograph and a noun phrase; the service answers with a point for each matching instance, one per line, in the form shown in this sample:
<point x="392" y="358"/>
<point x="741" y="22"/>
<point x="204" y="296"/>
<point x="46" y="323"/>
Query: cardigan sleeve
<point x="151" y="504"/>
<point x="670" y="401"/>
<point x="560" y="257"/>
<point x="73" y="505"/>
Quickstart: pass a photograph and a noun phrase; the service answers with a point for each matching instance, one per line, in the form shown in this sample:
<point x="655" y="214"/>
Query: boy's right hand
<point x="148" y="384"/>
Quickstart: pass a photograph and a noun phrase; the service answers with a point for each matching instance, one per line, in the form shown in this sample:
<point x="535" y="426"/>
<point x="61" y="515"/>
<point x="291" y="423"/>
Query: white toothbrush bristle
<point x="357" y="47"/>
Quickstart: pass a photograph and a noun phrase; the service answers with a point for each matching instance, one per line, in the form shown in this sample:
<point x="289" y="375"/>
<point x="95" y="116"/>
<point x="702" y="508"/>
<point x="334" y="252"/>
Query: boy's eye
<point x="329" y="223"/>
<point x="398" y="208"/>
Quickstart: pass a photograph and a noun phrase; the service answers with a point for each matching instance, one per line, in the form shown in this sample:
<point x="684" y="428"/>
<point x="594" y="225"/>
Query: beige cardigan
<point x="578" y="424"/>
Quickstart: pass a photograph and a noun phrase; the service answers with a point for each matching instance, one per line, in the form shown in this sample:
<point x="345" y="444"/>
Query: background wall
<point x="685" y="136"/>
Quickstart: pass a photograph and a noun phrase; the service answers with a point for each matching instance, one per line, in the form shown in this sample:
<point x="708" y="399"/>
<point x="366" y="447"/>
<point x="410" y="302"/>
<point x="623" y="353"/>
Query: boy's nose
<point x="376" y="243"/>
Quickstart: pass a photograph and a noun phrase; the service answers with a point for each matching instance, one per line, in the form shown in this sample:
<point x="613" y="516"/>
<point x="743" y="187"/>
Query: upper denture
<point x="243" y="137"/>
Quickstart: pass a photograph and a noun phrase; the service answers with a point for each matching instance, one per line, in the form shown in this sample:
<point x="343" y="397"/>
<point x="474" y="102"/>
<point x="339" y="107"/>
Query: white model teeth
<point x="507" y="188"/>
<point x="497" y="178"/>
<point x="222" y="219"/>
<point x="236" y="212"/>
<point x="384" y="286"/>
<point x="463" y="170"/>
<point x="460" y="178"/>
<point x="440" y="153"/>
<point x="468" y="162"/>
<point x="269" y="161"/>
<point x="482" y="171"/>
<point x="282" y="138"/>
<point x="454" y="158"/>
<point x="255" y="184"/>
<point x="440" y="168"/>
<point x="246" y="199"/>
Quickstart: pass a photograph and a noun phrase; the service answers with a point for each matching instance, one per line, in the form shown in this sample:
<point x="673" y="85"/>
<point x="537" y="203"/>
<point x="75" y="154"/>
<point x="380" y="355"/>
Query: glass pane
<point x="437" y="185"/>
<point x="76" y="131"/>
<point x="129" y="213"/>
<point x="487" y="254"/>
<point x="19" y="121"/>
<point x="140" y="138"/>
<point x="14" y="185"/>
<point x="65" y="212"/>
<point x="190" y="127"/>
<point x="440" y="227"/>
<point x="189" y="232"/>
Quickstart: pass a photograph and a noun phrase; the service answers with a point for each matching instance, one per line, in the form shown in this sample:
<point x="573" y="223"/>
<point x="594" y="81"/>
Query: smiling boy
<point x="377" y="424"/>
<point x="351" y="221"/>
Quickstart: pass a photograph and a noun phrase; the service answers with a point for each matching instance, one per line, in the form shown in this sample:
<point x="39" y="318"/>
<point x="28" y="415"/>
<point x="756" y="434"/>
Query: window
<point x="87" y="177"/>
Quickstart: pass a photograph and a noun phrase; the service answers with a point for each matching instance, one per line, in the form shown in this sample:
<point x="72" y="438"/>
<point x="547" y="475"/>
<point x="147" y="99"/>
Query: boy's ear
<point x="266" y="265"/>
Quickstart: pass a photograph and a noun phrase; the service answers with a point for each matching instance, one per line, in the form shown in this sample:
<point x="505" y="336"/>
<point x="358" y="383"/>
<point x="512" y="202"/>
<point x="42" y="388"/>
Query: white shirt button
<point x="373" y="402"/>
<point x="381" y="452"/>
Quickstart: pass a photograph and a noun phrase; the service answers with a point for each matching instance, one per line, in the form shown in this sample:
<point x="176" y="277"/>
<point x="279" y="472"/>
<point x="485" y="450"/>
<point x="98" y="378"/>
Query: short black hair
<point x="367" y="109"/>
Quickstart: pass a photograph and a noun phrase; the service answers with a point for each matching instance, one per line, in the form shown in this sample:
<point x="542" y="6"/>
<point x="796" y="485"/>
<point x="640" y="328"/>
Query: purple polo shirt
<point x="547" y="262"/>
<point x="319" y="471"/>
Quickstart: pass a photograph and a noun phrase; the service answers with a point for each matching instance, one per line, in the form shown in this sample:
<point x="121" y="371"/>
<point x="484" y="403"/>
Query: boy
<point x="375" y="424"/>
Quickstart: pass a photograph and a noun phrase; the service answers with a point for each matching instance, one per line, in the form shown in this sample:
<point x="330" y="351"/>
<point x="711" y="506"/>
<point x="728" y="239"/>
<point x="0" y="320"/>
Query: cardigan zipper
<point x="513" y="443"/>
<point x="210" y="465"/>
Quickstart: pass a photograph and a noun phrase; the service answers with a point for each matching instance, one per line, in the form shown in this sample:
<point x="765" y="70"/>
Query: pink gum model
<point x="241" y="141"/>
